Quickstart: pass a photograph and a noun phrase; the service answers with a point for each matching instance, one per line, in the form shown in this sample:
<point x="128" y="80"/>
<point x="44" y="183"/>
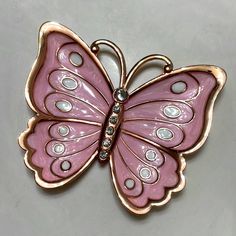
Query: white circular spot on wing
<point x="164" y="133"/>
<point x="63" y="130"/>
<point x="151" y="155"/>
<point x="58" y="148"/>
<point x="172" y="111"/>
<point x="76" y="59"/>
<point x="64" y="106"/>
<point x="179" y="87"/>
<point x="65" y="165"/>
<point x="145" y="173"/>
<point x="69" y="83"/>
<point x="129" y="183"/>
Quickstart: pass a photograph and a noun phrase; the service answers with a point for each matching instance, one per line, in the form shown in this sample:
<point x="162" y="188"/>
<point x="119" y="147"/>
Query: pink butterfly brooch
<point x="143" y="134"/>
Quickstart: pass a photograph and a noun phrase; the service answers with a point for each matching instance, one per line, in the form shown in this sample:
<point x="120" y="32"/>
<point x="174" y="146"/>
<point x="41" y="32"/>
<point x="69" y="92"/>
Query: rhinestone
<point x="129" y="183"/>
<point x="58" y="148"/>
<point x="145" y="173"/>
<point x="64" y="106"/>
<point x="65" y="165"/>
<point x="172" y="111"/>
<point x="63" y="130"/>
<point x="109" y="130"/>
<point x="69" y="83"/>
<point x="151" y="155"/>
<point x="103" y="155"/>
<point x="116" y="109"/>
<point x="106" y="142"/>
<point x="121" y="95"/>
<point x="113" y="119"/>
<point x="179" y="87"/>
<point x="164" y="133"/>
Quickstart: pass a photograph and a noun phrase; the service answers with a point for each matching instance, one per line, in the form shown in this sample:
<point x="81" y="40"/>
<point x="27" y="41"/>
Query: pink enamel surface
<point x="90" y="78"/>
<point x="134" y="163"/>
<point x="85" y="91"/>
<point x="155" y="111"/>
<point x="155" y="192"/>
<point x="162" y="90"/>
<point x="122" y="173"/>
<point x="80" y="109"/>
<point x="143" y="192"/>
<point x="80" y="143"/>
<point x="188" y="128"/>
<point x="148" y="129"/>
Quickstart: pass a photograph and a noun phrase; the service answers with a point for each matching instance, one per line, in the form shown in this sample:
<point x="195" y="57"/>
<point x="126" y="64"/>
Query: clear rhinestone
<point x="109" y="130"/>
<point x="164" y="133"/>
<point x="106" y="142"/>
<point x="151" y="155"/>
<point x="121" y="95"/>
<point x="145" y="173"/>
<point x="172" y="111"/>
<point x="69" y="83"/>
<point x="65" y="165"/>
<point x="113" y="119"/>
<point x="103" y="155"/>
<point x="129" y="183"/>
<point x="58" y="148"/>
<point x="179" y="87"/>
<point x="116" y="109"/>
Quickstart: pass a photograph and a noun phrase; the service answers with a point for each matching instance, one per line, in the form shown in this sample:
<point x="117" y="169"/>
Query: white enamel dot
<point x="145" y="173"/>
<point x="64" y="106"/>
<point x="63" y="130"/>
<point x="76" y="59"/>
<point x="151" y="155"/>
<point x="164" y="133"/>
<point x="58" y="148"/>
<point x="178" y="87"/>
<point x="129" y="183"/>
<point x="69" y="83"/>
<point x="172" y="111"/>
<point x="65" y="165"/>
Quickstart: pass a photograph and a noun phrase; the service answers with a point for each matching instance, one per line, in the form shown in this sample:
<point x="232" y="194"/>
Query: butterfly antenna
<point x="167" y="68"/>
<point x="122" y="65"/>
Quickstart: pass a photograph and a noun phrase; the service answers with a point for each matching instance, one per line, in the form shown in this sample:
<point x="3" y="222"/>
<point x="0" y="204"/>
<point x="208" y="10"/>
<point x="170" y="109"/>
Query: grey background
<point x="190" y="32"/>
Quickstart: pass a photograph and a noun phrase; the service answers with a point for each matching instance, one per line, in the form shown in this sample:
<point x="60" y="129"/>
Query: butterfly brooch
<point x="144" y="135"/>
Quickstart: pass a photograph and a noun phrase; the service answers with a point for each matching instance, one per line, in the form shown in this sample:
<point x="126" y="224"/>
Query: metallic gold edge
<point x="37" y="170"/>
<point x="147" y="208"/>
<point x="46" y="29"/>
<point x="220" y="76"/>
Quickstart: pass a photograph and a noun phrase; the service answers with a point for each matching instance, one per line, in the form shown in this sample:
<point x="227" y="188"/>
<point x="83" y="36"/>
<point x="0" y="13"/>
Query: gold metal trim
<point x="95" y="48"/>
<point x="146" y="209"/>
<point x="125" y="81"/>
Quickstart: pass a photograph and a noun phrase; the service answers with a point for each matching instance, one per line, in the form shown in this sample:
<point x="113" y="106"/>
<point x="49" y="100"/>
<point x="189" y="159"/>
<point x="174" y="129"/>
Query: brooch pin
<point x="144" y="135"/>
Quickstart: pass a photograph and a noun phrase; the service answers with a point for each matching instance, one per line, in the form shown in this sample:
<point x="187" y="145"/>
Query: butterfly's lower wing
<point x="143" y="174"/>
<point x="59" y="151"/>
<point x="165" y="118"/>
<point x="71" y="94"/>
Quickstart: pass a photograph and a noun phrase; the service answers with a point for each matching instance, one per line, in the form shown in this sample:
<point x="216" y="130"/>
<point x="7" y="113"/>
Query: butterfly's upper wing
<point x="167" y="117"/>
<point x="71" y="94"/>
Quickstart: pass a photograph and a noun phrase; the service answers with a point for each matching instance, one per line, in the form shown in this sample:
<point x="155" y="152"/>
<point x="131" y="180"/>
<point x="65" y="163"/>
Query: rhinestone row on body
<point x="111" y="127"/>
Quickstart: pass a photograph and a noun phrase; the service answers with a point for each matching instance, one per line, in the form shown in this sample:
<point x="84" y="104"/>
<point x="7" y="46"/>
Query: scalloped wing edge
<point x="29" y="152"/>
<point x="148" y="207"/>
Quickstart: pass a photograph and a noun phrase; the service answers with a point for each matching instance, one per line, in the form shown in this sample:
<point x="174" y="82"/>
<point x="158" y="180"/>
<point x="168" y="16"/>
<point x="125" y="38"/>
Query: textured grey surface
<point x="188" y="31"/>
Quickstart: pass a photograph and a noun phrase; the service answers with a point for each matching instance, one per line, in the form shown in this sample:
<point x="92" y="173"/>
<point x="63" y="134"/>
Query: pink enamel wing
<point x="144" y="134"/>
